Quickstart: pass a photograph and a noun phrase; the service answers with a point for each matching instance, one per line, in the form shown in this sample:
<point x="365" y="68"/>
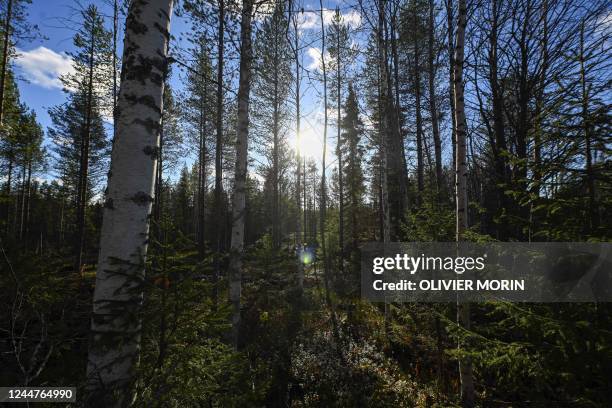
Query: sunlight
<point x="310" y="145"/>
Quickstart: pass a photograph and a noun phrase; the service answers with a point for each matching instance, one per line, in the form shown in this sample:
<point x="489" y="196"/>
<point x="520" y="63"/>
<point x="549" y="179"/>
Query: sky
<point x="41" y="62"/>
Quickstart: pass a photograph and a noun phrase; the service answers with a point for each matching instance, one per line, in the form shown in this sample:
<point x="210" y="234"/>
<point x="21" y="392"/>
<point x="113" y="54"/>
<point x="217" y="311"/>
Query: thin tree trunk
<point x="463" y="310"/>
<point x="28" y="196"/>
<point x="23" y="200"/>
<point x="115" y="31"/>
<point x="451" y="81"/>
<point x="397" y="183"/>
<point x="497" y="101"/>
<point x="586" y="125"/>
<point x="398" y="112"/>
<point x="339" y="152"/>
<point x="239" y="199"/>
<point x="219" y="218"/>
<point x="84" y="165"/>
<point x="432" y="102"/>
<point x="9" y="199"/>
<point x="419" y="116"/>
<point x="201" y="224"/>
<point x="300" y="265"/>
<point x="383" y="130"/>
<point x="116" y="326"/>
<point x="5" y="55"/>
<point x="536" y="167"/>
<point x="276" y="240"/>
<point x="323" y="209"/>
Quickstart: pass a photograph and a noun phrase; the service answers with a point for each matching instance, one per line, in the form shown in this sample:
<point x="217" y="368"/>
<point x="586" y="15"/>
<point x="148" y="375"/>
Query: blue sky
<point x="41" y="62"/>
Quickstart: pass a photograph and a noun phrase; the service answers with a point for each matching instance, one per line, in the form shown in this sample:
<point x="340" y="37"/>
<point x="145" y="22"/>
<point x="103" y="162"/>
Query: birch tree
<point x="461" y="172"/>
<point x="240" y="175"/>
<point x="115" y="325"/>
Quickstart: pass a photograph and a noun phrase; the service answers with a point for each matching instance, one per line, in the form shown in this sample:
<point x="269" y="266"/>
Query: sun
<point x="310" y="144"/>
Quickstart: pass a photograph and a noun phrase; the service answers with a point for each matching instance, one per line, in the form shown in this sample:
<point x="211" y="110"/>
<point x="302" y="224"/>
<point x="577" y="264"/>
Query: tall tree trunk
<point x="536" y="166"/>
<point x="463" y="310"/>
<point x="383" y="130"/>
<point x="433" y="108"/>
<point x="219" y="214"/>
<point x="201" y="216"/>
<point x="451" y="81"/>
<point x="116" y="326"/>
<point x="5" y="55"/>
<point x="298" y="172"/>
<point x="339" y="151"/>
<point x="276" y="240"/>
<point x="323" y="206"/>
<point x="398" y="111"/>
<point x="242" y="140"/>
<point x="23" y="200"/>
<point x="84" y="162"/>
<point x="419" y="116"/>
<point x="396" y="187"/>
<point x="28" y="196"/>
<point x="115" y="32"/>
<point x="499" y="147"/>
<point x="586" y="127"/>
<point x="9" y="199"/>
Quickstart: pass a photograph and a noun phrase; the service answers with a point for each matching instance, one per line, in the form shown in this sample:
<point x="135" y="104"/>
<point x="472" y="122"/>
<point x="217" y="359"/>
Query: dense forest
<point x="186" y="229"/>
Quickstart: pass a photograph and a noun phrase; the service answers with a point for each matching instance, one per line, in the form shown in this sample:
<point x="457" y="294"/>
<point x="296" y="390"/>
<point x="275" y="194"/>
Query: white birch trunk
<point x="239" y="197"/>
<point x="115" y="326"/>
<point x="463" y="310"/>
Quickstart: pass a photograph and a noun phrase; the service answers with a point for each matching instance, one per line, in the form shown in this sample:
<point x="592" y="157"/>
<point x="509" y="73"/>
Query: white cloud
<point x="311" y="20"/>
<point x="43" y="66"/>
<point x="314" y="53"/>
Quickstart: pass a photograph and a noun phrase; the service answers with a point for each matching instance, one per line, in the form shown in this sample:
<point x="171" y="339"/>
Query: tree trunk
<point x="23" y="201"/>
<point x="463" y="310"/>
<point x="323" y="209"/>
<point x="9" y="199"/>
<point x="115" y="31"/>
<point x="84" y="162"/>
<point x="276" y="240"/>
<point x="5" y="55"/>
<point x="383" y="130"/>
<point x="201" y="223"/>
<point x="116" y="326"/>
<point x="451" y="81"/>
<point x="219" y="218"/>
<point x="28" y="196"/>
<point x="242" y="140"/>
<point x="339" y="153"/>
<point x="497" y="106"/>
<point x="433" y="108"/>
<point x="586" y="126"/>
<point x="298" y="232"/>
<point x="419" y="117"/>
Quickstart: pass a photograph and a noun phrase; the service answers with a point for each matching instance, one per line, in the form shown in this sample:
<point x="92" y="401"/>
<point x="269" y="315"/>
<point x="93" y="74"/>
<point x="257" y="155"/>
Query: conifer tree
<point x="352" y="133"/>
<point x="90" y="89"/>
<point x="271" y="89"/>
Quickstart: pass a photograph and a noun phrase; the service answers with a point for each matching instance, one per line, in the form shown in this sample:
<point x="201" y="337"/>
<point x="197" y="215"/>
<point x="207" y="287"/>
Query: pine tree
<point x="91" y="83"/>
<point x="270" y="97"/>
<point x="13" y="112"/>
<point x="352" y="133"/>
<point x="341" y="55"/>
<point x="30" y="156"/>
<point x="15" y="28"/>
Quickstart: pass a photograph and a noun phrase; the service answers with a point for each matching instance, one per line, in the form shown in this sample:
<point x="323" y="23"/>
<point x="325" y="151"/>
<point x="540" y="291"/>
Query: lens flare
<point x="306" y="256"/>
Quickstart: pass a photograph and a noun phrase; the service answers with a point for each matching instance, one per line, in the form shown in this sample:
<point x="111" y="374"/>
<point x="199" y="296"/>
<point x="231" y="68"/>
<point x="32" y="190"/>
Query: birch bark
<point x="116" y="326"/>
<point x="239" y="197"/>
<point x="463" y="310"/>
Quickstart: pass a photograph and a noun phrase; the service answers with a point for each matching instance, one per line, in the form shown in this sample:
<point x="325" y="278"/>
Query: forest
<point x="183" y="227"/>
